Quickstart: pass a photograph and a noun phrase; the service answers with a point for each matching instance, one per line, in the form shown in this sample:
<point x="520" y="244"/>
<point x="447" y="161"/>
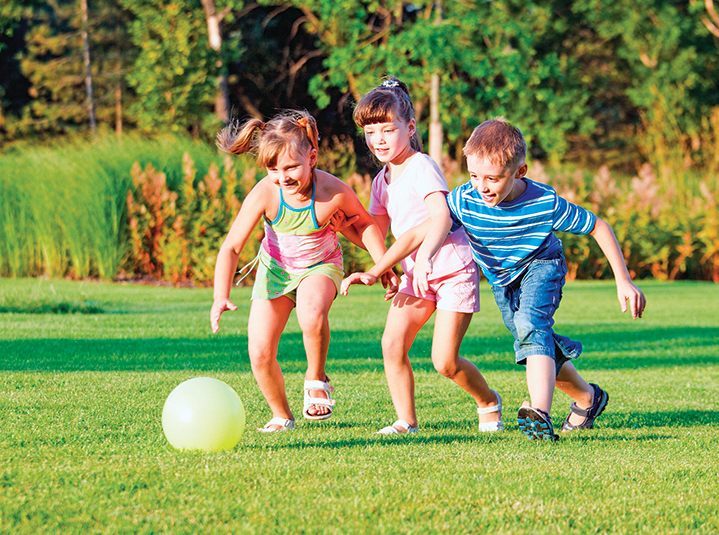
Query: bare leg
<point x="540" y="381"/>
<point x="405" y="318"/>
<point x="571" y="383"/>
<point x="315" y="295"/>
<point x="449" y="330"/>
<point x="267" y="320"/>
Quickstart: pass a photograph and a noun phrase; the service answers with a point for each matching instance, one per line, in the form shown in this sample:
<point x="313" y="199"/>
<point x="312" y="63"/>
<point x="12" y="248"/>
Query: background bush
<point x="160" y="208"/>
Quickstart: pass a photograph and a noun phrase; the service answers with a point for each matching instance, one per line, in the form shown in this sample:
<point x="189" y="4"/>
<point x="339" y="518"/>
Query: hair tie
<point x="262" y="126"/>
<point x="302" y="122"/>
<point x="390" y="84"/>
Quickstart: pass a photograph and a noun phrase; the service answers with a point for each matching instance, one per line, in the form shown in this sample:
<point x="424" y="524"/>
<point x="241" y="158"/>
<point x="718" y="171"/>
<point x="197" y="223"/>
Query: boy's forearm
<point x="609" y="245"/>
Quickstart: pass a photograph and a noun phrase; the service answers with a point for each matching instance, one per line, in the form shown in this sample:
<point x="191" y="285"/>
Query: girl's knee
<point x="446" y="368"/>
<point x="312" y="322"/>
<point x="261" y="354"/>
<point x="392" y="345"/>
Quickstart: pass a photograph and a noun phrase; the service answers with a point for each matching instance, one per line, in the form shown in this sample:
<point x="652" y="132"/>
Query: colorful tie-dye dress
<point x="295" y="247"/>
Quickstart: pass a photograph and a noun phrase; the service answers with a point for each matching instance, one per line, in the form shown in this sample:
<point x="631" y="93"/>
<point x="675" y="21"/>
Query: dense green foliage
<point x="65" y="211"/>
<point x="82" y="449"/>
<point x="618" y="80"/>
<point x="615" y="82"/>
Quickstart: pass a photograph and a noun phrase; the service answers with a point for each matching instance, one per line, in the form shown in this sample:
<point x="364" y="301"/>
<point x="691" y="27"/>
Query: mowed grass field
<point x="83" y="384"/>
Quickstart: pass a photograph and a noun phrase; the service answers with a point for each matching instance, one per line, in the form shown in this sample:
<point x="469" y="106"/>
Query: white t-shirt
<point x="403" y="202"/>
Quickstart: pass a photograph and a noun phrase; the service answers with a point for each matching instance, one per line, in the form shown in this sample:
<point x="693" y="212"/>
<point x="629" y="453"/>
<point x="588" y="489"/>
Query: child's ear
<point x="313" y="157"/>
<point x="521" y="171"/>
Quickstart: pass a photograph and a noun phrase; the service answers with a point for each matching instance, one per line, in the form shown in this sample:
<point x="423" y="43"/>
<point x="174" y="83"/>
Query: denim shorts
<point x="528" y="305"/>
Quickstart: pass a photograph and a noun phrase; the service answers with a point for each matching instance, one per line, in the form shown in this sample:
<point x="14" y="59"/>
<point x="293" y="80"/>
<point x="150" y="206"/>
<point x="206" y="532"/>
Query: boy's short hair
<point x="498" y="141"/>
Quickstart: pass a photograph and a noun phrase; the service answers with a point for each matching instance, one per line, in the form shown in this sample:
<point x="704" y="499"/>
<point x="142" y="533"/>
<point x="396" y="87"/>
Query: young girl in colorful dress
<point x="300" y="259"/>
<point x="409" y="189"/>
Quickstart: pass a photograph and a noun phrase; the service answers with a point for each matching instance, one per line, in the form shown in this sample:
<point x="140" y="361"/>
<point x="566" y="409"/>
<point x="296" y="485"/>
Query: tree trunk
<point x="88" y="67"/>
<point x="222" y="100"/>
<point x="435" y="125"/>
<point x="118" y="107"/>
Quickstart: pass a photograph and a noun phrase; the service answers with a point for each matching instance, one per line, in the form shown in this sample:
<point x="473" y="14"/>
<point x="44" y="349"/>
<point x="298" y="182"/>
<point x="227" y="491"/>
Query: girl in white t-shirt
<point x="409" y="189"/>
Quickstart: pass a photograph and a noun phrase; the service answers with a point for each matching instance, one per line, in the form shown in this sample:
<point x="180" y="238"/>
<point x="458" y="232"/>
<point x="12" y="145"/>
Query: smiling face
<point x="293" y="173"/>
<point x="390" y="142"/>
<point x="495" y="183"/>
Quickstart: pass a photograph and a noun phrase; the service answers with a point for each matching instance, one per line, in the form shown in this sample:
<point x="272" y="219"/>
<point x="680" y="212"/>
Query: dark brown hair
<point x="386" y="103"/>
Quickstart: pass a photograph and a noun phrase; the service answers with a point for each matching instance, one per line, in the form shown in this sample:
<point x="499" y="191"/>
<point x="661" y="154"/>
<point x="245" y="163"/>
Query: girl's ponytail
<point x="291" y="130"/>
<point x="308" y="124"/>
<point x="238" y="138"/>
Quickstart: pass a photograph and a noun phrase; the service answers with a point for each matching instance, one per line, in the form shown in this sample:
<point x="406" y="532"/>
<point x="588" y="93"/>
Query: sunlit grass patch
<point x="82" y="448"/>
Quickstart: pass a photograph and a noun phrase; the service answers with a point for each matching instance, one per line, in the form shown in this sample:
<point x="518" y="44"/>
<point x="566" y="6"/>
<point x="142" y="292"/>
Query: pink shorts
<point x="456" y="292"/>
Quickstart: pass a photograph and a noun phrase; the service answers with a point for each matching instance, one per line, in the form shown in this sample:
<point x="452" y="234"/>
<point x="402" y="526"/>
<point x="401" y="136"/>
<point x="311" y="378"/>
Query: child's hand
<point x="422" y="268"/>
<point x="357" y="278"/>
<point x="628" y="291"/>
<point x="339" y="221"/>
<point x="218" y="307"/>
<point x="390" y="282"/>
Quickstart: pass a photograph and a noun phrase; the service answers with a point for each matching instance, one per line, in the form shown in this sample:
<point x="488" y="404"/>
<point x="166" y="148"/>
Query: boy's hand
<point x="339" y="221"/>
<point x="422" y="268"/>
<point x="628" y="291"/>
<point x="218" y="307"/>
<point x="357" y="278"/>
<point x="390" y="281"/>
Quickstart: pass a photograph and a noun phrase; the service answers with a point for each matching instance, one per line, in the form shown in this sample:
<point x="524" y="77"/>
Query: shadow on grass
<point x="350" y="351"/>
<point x="374" y="440"/>
<point x="455" y="432"/>
<point x="671" y="418"/>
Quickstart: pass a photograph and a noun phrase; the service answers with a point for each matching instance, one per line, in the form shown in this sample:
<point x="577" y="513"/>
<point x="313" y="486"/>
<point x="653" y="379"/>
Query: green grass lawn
<point x="83" y="385"/>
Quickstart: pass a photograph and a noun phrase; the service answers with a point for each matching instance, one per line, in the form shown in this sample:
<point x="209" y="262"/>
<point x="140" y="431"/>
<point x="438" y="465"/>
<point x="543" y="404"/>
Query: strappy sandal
<point x="536" y="424"/>
<point x="392" y="430"/>
<point x="313" y="402"/>
<point x="492" y="427"/>
<point x="285" y="425"/>
<point x="599" y="402"/>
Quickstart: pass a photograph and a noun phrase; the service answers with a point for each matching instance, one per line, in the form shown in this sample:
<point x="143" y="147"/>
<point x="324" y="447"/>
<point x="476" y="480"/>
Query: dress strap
<point x="312" y="203"/>
<point x="249" y="267"/>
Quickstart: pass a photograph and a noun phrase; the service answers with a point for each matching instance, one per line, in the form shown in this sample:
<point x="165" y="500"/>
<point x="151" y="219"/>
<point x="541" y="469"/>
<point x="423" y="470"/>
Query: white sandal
<point x="285" y="425"/>
<point x="392" y="430"/>
<point x="311" y="402"/>
<point x="492" y="427"/>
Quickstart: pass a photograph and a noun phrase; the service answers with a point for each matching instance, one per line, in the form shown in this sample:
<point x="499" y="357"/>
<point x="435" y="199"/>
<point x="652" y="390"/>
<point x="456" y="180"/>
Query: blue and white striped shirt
<point x="507" y="237"/>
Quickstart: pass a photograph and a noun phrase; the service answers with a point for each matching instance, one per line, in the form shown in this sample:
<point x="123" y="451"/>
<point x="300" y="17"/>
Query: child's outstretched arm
<point x="428" y="236"/>
<point x="626" y="289"/>
<point x="441" y="224"/>
<point x="400" y="249"/>
<point x="365" y="232"/>
<point x="252" y="209"/>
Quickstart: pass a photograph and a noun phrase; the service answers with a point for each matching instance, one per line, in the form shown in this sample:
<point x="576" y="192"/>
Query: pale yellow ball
<point x="203" y="414"/>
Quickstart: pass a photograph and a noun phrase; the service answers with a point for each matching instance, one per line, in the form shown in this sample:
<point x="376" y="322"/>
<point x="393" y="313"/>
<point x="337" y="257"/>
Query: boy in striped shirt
<point x="510" y="222"/>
